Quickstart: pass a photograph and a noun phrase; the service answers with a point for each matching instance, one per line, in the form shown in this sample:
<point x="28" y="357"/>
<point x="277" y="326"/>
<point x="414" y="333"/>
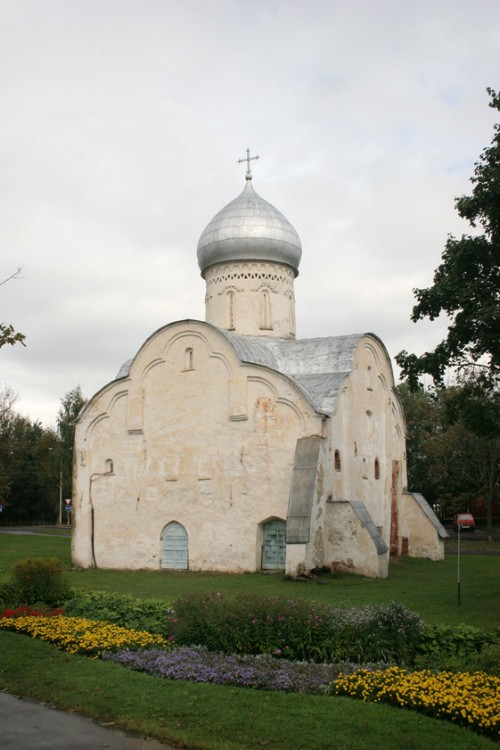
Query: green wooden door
<point x="273" y="545"/>
<point x="174" y="547"/>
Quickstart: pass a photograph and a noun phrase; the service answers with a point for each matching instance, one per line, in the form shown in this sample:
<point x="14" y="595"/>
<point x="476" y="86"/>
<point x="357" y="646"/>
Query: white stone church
<point x="230" y="445"/>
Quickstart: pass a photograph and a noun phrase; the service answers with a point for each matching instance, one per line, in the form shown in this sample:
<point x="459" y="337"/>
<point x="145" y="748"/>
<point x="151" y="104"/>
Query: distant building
<point x="229" y="445"/>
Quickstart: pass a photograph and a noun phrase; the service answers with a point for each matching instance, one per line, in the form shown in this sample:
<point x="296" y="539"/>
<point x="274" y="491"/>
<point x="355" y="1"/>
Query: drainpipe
<point x="93" y="477"/>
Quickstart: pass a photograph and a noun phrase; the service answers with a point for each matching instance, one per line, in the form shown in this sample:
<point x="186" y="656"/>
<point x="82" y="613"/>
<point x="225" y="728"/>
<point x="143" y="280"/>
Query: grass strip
<point x="424" y="586"/>
<point x="212" y="717"/>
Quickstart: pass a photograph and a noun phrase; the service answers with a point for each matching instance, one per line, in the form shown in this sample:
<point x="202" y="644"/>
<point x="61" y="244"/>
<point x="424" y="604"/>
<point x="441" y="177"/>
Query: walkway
<point x="27" y="725"/>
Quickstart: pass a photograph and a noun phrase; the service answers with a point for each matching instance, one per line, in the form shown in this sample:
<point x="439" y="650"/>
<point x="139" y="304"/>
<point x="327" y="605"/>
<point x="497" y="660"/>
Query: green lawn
<point x="429" y="588"/>
<point x="15" y="547"/>
<point x="210" y="716"/>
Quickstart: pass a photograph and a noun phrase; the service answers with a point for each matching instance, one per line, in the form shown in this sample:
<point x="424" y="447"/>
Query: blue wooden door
<point x="174" y="547"/>
<point x="273" y="545"/>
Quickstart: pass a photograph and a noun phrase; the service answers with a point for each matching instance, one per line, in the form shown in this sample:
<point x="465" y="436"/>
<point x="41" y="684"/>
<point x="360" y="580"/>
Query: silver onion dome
<point x="249" y="229"/>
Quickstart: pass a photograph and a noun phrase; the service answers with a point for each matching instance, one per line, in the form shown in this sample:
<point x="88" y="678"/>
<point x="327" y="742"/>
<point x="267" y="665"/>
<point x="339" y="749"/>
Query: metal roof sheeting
<point x="317" y="366"/>
<point x="249" y="229"/>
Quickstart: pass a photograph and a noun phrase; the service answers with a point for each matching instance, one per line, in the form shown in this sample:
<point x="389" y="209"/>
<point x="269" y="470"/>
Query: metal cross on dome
<point x="248" y="159"/>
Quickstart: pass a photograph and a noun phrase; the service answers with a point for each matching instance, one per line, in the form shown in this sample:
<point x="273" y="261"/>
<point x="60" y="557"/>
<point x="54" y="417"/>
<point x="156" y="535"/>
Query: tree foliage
<point x="466" y="287"/>
<point x="454" y="466"/>
<point x="8" y="335"/>
<point x="28" y="474"/>
<point x="33" y="461"/>
<point x="71" y="405"/>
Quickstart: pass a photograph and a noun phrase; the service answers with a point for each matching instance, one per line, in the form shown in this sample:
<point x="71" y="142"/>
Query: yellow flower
<point x="78" y="635"/>
<point x="472" y="699"/>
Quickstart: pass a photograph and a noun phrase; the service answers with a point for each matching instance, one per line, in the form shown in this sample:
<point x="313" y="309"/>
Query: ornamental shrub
<point x="298" y="630"/>
<point x="8" y="595"/>
<point x="488" y="659"/>
<point x="40" y="580"/>
<point x="153" y="615"/>
<point x="459" y="648"/>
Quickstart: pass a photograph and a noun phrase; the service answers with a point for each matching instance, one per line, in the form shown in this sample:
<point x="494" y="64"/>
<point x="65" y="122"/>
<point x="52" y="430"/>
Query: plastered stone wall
<point x="422" y="535"/>
<point x="316" y="556"/>
<point x="195" y="437"/>
<point x="348" y="545"/>
<point x="297" y="561"/>
<point x="367" y="431"/>
<point x="254" y="299"/>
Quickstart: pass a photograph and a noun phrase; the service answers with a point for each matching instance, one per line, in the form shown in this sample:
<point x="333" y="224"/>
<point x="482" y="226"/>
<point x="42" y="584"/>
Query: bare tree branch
<point x="15" y="275"/>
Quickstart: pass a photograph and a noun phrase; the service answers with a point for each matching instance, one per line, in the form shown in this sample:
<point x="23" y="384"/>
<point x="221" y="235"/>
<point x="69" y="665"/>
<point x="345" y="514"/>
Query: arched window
<point x="230" y="311"/>
<point x="376" y="469"/>
<point x="336" y="461"/>
<point x="189" y="359"/>
<point x="291" y="314"/>
<point x="369" y="378"/>
<point x="108" y="466"/>
<point x="265" y="311"/>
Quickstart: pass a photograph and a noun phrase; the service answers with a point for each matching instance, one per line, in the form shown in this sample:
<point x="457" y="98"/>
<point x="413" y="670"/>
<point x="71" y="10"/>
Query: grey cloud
<point x="121" y="126"/>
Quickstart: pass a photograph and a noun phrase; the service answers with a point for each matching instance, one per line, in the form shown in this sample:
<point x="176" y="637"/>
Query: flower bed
<point x="27" y="611"/>
<point x="200" y="665"/>
<point x="469" y="699"/>
<point x="297" y="629"/>
<point x="77" y="635"/>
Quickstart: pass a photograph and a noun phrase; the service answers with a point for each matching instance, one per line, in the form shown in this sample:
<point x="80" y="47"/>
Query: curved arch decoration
<point x="295" y="409"/>
<point x="204" y="340"/>
<point x="114" y="398"/>
<point x="96" y="421"/>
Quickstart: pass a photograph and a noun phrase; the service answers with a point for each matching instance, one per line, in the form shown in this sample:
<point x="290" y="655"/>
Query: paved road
<point x="27" y="725"/>
<point x="34" y="530"/>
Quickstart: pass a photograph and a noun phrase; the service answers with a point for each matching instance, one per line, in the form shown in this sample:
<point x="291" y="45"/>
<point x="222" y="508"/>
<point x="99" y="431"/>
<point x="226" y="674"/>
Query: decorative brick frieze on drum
<point x="253" y="299"/>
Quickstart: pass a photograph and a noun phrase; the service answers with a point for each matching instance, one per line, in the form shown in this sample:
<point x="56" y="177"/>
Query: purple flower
<point x="200" y="665"/>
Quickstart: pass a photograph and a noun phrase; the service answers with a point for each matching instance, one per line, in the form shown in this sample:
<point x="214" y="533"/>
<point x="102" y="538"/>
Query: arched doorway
<point x="174" y="547"/>
<point x="273" y="544"/>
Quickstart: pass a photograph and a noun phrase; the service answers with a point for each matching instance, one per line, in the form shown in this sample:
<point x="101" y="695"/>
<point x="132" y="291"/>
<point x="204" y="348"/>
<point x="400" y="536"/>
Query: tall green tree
<point x="71" y="405"/>
<point x="466" y="287"/>
<point x="423" y="420"/>
<point x="7" y="400"/>
<point x="28" y="476"/>
<point x="453" y="466"/>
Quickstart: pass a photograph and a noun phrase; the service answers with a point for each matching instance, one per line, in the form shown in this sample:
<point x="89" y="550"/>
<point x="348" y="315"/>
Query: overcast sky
<point x="121" y="123"/>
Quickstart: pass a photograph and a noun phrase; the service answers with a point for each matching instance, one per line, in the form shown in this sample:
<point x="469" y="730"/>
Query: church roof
<point x="318" y="366"/>
<point x="249" y="229"/>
